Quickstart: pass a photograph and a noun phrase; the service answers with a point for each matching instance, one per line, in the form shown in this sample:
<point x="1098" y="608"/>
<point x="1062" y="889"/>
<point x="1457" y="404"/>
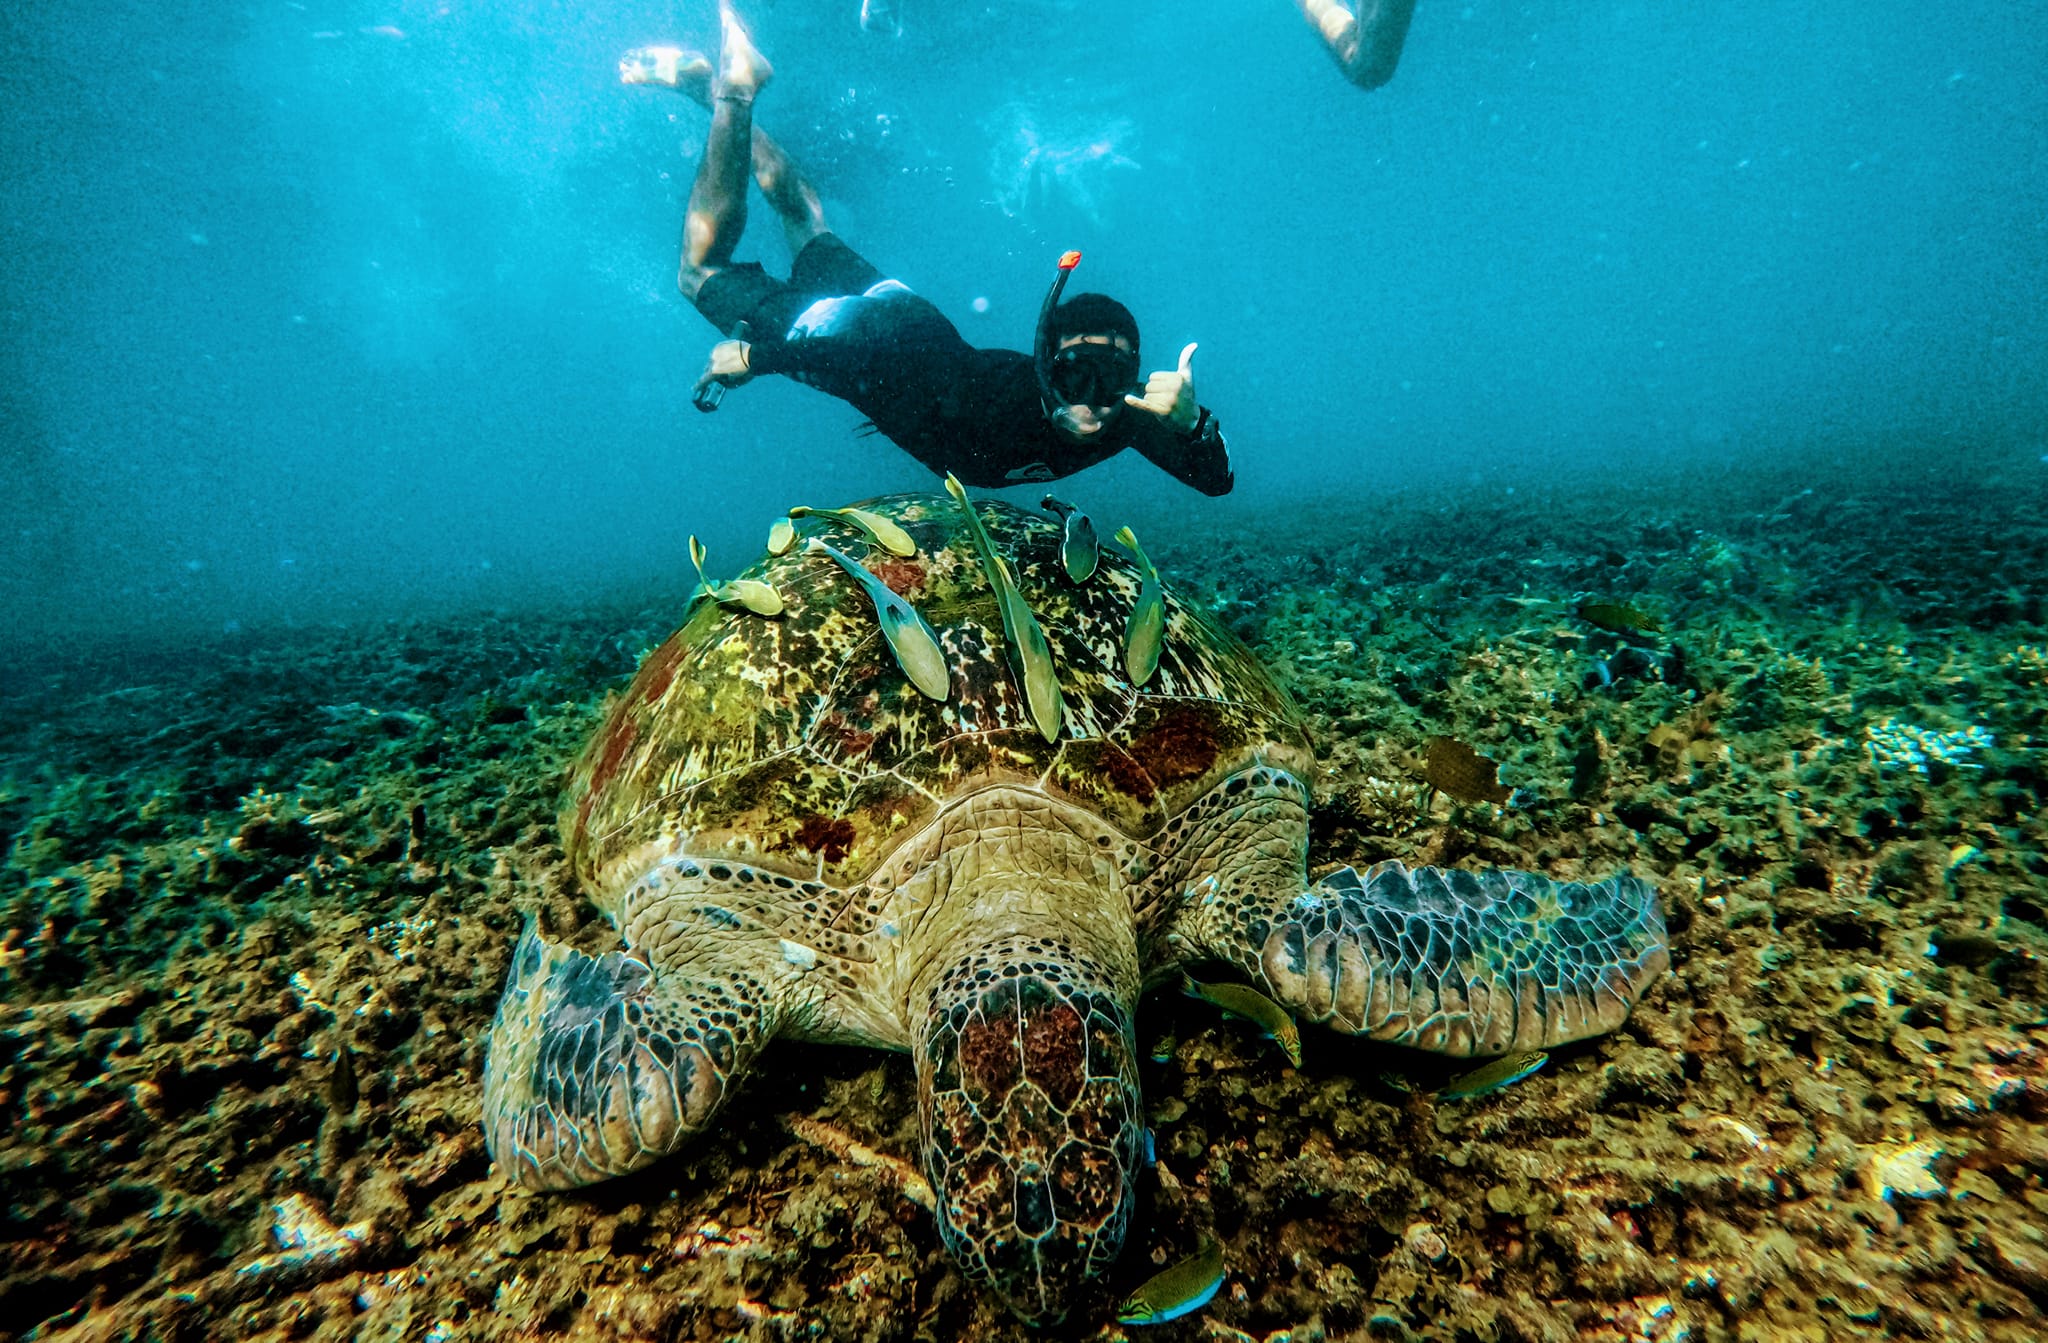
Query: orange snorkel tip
<point x="1069" y="260"/>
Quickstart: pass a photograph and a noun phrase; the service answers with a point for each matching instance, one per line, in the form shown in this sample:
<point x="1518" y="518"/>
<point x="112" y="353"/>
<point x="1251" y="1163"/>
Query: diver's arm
<point x="1199" y="457"/>
<point x="819" y="355"/>
<point x="822" y="360"/>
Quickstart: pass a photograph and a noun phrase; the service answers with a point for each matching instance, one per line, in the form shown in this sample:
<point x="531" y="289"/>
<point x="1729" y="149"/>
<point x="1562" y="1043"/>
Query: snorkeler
<point x="1366" y="42"/>
<point x="991" y="417"/>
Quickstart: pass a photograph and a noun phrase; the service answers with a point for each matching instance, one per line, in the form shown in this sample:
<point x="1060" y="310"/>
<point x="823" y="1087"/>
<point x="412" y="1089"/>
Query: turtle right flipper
<point x="599" y="1065"/>
<point x="1455" y="962"/>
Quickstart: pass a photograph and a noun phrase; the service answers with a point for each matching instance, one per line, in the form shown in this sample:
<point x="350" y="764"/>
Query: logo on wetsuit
<point x="1037" y="471"/>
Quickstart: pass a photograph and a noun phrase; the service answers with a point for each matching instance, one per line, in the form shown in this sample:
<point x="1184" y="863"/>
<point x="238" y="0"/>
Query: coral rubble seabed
<point x="256" y="909"/>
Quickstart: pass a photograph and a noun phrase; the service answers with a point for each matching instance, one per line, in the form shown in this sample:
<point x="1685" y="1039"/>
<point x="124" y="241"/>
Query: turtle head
<point x="1028" y="1096"/>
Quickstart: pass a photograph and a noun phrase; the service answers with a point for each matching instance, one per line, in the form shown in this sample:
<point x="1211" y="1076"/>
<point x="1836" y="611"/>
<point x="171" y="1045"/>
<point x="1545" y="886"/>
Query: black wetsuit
<point x="839" y="325"/>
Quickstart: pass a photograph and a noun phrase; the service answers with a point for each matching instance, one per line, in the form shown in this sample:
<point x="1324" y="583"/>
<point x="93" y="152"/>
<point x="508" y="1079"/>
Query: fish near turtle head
<point x="1032" y="1125"/>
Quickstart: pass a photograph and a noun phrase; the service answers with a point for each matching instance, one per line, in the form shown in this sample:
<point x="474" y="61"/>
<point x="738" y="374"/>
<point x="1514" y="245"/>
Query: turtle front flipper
<point x="599" y="1065"/>
<point x="1455" y="962"/>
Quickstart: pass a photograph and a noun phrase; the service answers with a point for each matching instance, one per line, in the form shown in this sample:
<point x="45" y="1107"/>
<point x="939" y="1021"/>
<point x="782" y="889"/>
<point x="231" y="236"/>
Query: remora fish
<point x="874" y="526"/>
<point x="1242" y="1001"/>
<point x="1080" y="552"/>
<point x="1176" y="1290"/>
<point x="1146" y="630"/>
<point x="910" y="638"/>
<point x="1502" y="1072"/>
<point x="1030" y="655"/>
<point x="756" y="596"/>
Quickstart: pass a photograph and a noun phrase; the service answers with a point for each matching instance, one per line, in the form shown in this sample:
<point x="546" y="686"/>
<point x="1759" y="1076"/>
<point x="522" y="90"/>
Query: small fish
<point x="1502" y="1072"/>
<point x="1151" y="1150"/>
<point x="781" y="537"/>
<point x="873" y="526"/>
<point x="910" y="638"/>
<point x="1145" y="632"/>
<point x="1030" y="654"/>
<point x="1080" y="552"/>
<point x="1453" y="767"/>
<point x="751" y="593"/>
<point x="1178" y="1290"/>
<point x="1616" y="618"/>
<point x="1163" y="1047"/>
<point x="1243" y="1001"/>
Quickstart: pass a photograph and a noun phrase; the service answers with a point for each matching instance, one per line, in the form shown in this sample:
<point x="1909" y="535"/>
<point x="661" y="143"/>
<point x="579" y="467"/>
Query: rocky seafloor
<point x="258" y="900"/>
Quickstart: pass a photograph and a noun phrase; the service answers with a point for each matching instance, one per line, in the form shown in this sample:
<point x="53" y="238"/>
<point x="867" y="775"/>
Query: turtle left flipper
<point x="1454" y="962"/>
<point x="599" y="1065"/>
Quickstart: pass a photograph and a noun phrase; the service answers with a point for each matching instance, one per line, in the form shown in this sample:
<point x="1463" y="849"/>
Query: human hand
<point x="728" y="366"/>
<point x="1171" y="394"/>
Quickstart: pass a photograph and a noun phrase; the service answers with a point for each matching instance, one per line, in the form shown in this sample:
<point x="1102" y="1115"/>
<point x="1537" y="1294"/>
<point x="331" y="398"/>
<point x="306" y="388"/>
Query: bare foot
<point x="687" y="72"/>
<point x="742" y="70"/>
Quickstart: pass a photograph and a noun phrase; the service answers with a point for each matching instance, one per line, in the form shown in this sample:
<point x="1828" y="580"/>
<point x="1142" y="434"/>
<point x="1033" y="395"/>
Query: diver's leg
<point x="717" y="213"/>
<point x="789" y="192"/>
<point x="1366" y="42"/>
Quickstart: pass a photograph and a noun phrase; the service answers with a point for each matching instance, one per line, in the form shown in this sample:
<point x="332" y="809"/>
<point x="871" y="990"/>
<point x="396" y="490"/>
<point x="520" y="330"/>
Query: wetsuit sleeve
<point x="1199" y="458"/>
<point x="822" y="359"/>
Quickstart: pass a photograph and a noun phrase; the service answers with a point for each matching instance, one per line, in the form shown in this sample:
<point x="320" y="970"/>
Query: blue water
<point x="336" y="311"/>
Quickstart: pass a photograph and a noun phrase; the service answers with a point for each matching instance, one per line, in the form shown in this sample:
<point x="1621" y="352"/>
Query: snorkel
<point x="1043" y="347"/>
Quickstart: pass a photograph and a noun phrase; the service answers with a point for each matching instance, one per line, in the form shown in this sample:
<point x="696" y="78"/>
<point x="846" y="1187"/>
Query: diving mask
<point x="1091" y="373"/>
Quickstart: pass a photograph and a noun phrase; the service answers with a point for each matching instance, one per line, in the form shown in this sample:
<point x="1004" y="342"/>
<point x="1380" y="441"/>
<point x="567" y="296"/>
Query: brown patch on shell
<point x="829" y="838"/>
<point x="1126" y="775"/>
<point x="903" y="576"/>
<point x="848" y="740"/>
<point x="620" y="735"/>
<point x="1179" y="745"/>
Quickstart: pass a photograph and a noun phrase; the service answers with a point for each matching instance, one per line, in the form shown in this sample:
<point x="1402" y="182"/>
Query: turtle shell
<point x="796" y="745"/>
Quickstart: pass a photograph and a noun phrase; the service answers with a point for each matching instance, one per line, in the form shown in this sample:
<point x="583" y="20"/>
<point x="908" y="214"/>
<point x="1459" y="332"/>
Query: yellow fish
<point x="781" y="537"/>
<point x="873" y="526"/>
<point x="1177" y="1290"/>
<point x="1502" y="1072"/>
<point x="1616" y="618"/>
<point x="910" y="638"/>
<point x="1145" y="632"/>
<point x="1030" y="654"/>
<point x="1243" y="1001"/>
<point x="751" y="593"/>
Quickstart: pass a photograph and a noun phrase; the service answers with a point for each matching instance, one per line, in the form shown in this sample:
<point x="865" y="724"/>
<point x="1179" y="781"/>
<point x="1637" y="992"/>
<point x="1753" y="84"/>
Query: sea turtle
<point x="796" y="841"/>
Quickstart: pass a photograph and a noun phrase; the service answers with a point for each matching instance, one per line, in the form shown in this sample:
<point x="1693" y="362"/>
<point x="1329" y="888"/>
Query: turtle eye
<point x="1028" y="1093"/>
